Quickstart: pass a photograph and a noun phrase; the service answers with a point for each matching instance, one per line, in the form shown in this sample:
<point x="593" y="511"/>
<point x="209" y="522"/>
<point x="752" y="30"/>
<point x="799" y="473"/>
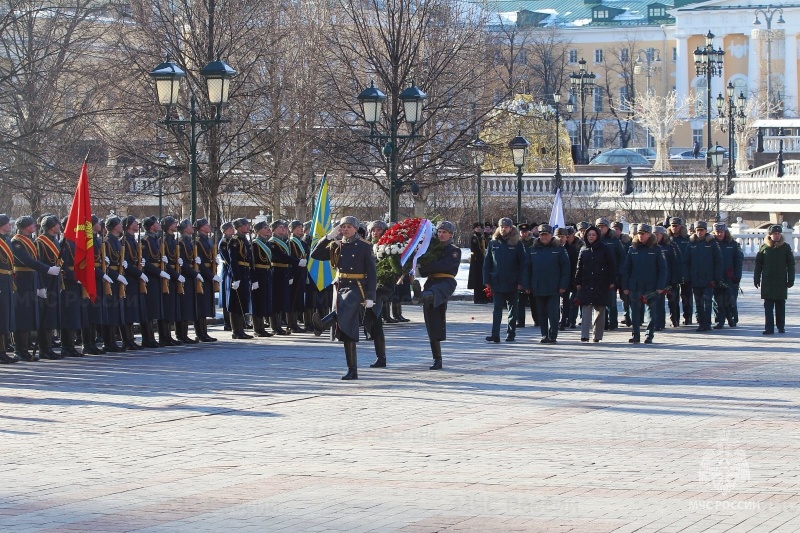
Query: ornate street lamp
<point x="716" y="155"/>
<point x="708" y="63"/>
<point x="519" y="150"/>
<point x="479" y="149"/>
<point x="651" y="64"/>
<point x="767" y="35"/>
<point x="582" y="85"/>
<point x="735" y="120"/>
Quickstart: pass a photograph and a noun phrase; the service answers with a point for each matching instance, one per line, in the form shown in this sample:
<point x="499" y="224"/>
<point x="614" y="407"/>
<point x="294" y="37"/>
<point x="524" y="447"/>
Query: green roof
<point x="578" y="13"/>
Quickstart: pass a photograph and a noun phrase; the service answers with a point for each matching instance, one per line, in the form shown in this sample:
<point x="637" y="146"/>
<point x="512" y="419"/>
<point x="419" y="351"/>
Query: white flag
<point x="557" y="214"/>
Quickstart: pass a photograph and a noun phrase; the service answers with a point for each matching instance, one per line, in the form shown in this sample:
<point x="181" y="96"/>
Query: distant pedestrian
<point x="774" y="273"/>
<point x="696" y="150"/>
<point x="502" y="274"/>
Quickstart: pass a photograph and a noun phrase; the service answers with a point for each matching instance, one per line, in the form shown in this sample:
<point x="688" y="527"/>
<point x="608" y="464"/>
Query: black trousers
<point x="779" y="308"/>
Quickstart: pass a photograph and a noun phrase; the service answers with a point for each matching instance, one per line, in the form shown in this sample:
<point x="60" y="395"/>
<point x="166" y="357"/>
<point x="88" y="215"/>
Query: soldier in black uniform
<point x="29" y="274"/>
<point x="225" y="286"/>
<point x="74" y="299"/>
<point x="7" y="319"/>
<point x="240" y="257"/>
<point x="297" y="291"/>
<point x="261" y="287"/>
<point x="355" y="283"/>
<point x="137" y="289"/>
<point x="96" y="312"/>
<point x="171" y="261"/>
<point x="282" y="274"/>
<point x="157" y="279"/>
<point x="188" y="300"/>
<point x="440" y="285"/>
<point x="373" y="317"/>
<point x="477" y="253"/>
<point x="206" y="261"/>
<point x="48" y="249"/>
<point x="114" y="276"/>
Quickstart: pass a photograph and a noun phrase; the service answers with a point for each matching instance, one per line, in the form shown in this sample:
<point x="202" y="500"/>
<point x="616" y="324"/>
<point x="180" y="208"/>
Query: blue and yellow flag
<point x="321" y="271"/>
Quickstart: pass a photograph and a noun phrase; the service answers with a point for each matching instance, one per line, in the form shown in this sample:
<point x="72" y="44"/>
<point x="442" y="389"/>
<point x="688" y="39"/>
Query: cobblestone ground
<point x="698" y="432"/>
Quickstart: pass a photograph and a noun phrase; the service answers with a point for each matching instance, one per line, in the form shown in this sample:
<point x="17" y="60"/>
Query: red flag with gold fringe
<point x="79" y="230"/>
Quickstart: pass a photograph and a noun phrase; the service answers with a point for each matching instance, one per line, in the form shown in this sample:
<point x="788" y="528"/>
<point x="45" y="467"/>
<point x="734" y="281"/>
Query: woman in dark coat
<point x="594" y="277"/>
<point x="477" y="253"/>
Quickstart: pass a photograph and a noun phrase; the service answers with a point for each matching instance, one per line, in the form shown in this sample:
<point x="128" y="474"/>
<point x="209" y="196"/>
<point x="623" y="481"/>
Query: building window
<point x="624" y="55"/>
<point x="697" y="136"/>
<point x="674" y="53"/>
<point x="600" y="14"/>
<point x="657" y="12"/>
<point x="573" y="56"/>
<point x="597" y="137"/>
<point x="574" y="138"/>
<point x="598" y="55"/>
<point x="598" y="99"/>
<point x="624" y="101"/>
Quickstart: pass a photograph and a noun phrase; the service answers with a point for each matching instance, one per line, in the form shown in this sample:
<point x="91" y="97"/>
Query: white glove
<point x="302" y="263"/>
<point x="198" y="260"/>
<point x="144" y="278"/>
<point x="163" y="274"/>
<point x="108" y="261"/>
<point x="368" y="304"/>
<point x="122" y="280"/>
<point x="254" y="285"/>
<point x="107" y="278"/>
<point x="217" y="279"/>
<point x="235" y="285"/>
<point x="180" y="262"/>
<point x="54" y="271"/>
<point x="124" y="264"/>
<point x="181" y="278"/>
<point x="291" y="281"/>
<point x="417" y="273"/>
<point x="41" y="293"/>
<point x="164" y="259"/>
<point x="200" y="278"/>
<point x="219" y="260"/>
<point x="143" y="262"/>
<point x="333" y="233"/>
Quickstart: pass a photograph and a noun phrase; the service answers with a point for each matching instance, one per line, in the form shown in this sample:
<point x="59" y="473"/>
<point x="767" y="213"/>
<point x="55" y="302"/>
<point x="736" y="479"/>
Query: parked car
<point x="687" y="154"/>
<point x="621" y="157"/>
<point x="648" y="153"/>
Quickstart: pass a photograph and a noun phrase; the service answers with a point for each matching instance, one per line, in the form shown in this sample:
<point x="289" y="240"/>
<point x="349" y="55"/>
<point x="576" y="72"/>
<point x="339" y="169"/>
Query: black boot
<point x="275" y="324"/>
<point x="226" y="320"/>
<point x="68" y="344"/>
<point x="128" y="338"/>
<point x="148" y="336"/>
<point x="165" y="334"/>
<point x="183" y="336"/>
<point x="4" y="357"/>
<point x="308" y="320"/>
<point x="397" y="310"/>
<point x="380" y="352"/>
<point x="201" y="329"/>
<point x="352" y="360"/>
<point x="89" y="344"/>
<point x="109" y="343"/>
<point x="259" y="328"/>
<point x="21" y="345"/>
<point x="436" y="350"/>
<point x="293" y="326"/>
<point x="44" y="338"/>
<point x="237" y="324"/>
<point x="387" y="318"/>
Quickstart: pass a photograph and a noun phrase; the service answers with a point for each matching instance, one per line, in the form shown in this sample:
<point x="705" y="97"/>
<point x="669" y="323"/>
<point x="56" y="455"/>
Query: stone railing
<point x="752" y="239"/>
<point x="772" y="143"/>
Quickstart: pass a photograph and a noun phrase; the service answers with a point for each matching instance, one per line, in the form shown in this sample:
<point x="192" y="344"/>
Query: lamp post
<point x="768" y="14"/>
<point x="715" y="158"/>
<point x="582" y="84"/>
<point x="708" y="63"/>
<point x="557" y="181"/>
<point x="167" y="77"/>
<point x="734" y="121"/>
<point x="412" y="100"/>
<point x="479" y="149"/>
<point x="519" y="150"/>
<point x="649" y="66"/>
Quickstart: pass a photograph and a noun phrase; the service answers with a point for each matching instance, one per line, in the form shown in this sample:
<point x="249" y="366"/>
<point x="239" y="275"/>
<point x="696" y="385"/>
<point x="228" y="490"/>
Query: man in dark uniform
<point x="225" y="286"/>
<point x="297" y="290"/>
<point x="355" y="283"/>
<point x="96" y="311"/>
<point x="373" y="317"/>
<point x="171" y="261"/>
<point x="188" y="269"/>
<point x="137" y="289"/>
<point x="625" y="240"/>
<point x="681" y="294"/>
<point x="610" y="238"/>
<point x="439" y="286"/>
<point x="703" y="268"/>
<point x="157" y="278"/>
<point x="477" y="253"/>
<point x="29" y="272"/>
<point x="562" y="234"/>
<point x="240" y="257"/>
<point x="7" y="319"/>
<point x="206" y="261"/>
<point x="49" y="252"/>
<point x="644" y="276"/>
<point x="74" y="300"/>
<point x="282" y="275"/>
<point x="114" y="276"/>
<point x="261" y="286"/>
<point x="524" y="298"/>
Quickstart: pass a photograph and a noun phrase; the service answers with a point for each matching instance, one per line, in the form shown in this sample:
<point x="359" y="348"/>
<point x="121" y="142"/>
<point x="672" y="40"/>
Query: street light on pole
<point x="479" y="149"/>
<point x="768" y="14"/>
<point x="734" y="121"/>
<point x="582" y="84"/>
<point x="649" y="66"/>
<point x="519" y="150"/>
<point x="167" y="76"/>
<point x="716" y="155"/>
<point x="708" y="63"/>
<point x="412" y="100"/>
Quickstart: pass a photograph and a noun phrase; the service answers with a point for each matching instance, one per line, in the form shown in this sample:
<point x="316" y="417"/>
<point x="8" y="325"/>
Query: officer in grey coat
<point x="644" y="277"/>
<point x="355" y="283"/>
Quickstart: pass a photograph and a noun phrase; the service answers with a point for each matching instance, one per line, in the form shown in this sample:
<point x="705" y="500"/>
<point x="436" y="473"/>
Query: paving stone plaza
<point x="697" y="432"/>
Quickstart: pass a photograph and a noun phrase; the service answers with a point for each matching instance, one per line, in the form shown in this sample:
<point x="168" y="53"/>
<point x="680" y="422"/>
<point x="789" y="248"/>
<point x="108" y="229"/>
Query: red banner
<point x="79" y="230"/>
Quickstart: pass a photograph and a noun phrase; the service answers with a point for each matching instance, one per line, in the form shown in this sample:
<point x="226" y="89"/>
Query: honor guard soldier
<point x="261" y="286"/>
<point x="440" y="285"/>
<point x="373" y="317"/>
<point x="171" y="261"/>
<point x="157" y="278"/>
<point x="225" y="287"/>
<point x="477" y="253"/>
<point x="29" y="280"/>
<point x="49" y="251"/>
<point x="206" y="261"/>
<point x="297" y="291"/>
<point x="355" y="283"/>
<point x="282" y="274"/>
<point x="117" y="283"/>
<point x="96" y="310"/>
<point x="74" y="299"/>
<point x="7" y="321"/>
<point x="187" y="303"/>
<point x="137" y="289"/>
<point x="241" y="257"/>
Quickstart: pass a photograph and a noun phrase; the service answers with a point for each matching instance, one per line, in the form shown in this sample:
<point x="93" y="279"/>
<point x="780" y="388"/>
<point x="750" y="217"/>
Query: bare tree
<point x="619" y="85"/>
<point x="660" y="115"/>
